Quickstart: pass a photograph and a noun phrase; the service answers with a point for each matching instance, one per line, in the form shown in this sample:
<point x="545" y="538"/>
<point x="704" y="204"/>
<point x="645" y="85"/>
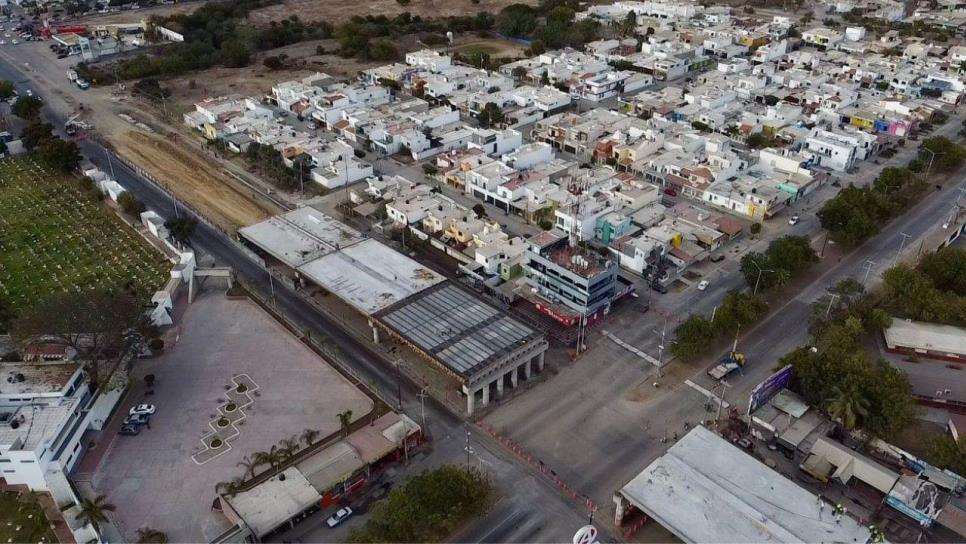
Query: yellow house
<point x="753" y="39"/>
<point x="863" y="121"/>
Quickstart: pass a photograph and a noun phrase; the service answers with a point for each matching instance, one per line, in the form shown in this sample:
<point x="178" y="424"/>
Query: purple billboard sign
<point x="767" y="389"/>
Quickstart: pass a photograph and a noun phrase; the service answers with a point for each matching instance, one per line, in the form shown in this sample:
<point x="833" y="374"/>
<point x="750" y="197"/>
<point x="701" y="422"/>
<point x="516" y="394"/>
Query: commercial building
<point x="704" y="489"/>
<point x="581" y="280"/>
<point x="930" y="340"/>
<point x="481" y="346"/>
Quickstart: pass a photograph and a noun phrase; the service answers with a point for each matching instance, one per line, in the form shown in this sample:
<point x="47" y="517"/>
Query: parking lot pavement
<point x="151" y="477"/>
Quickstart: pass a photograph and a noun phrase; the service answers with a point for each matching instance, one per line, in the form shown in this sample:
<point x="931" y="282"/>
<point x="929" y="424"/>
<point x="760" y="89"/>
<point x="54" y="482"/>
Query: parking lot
<point x="152" y="478"/>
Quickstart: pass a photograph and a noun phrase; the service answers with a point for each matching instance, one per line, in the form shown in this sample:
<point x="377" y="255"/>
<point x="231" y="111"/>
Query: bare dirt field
<point x="193" y="179"/>
<point x="340" y="10"/>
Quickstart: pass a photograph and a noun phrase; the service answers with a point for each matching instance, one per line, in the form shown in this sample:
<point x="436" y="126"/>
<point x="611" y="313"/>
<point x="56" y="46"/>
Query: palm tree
<point x="230" y="488"/>
<point x="309" y="436"/>
<point x="847" y="406"/>
<point x="273" y="457"/>
<point x="95" y="511"/>
<point x="147" y="535"/>
<point x="345" y="419"/>
<point x="289" y="446"/>
<point x="250" y="464"/>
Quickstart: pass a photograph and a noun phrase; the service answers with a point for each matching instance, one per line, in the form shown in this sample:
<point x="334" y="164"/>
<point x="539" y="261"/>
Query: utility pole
<point x="868" y="268"/>
<point x="422" y="407"/>
<point x="901" y="244"/>
<point x="398" y="387"/>
<point x="660" y="348"/>
<point x="832" y="297"/>
<point x="760" y="272"/>
<point x="825" y="243"/>
<point x="467" y="448"/>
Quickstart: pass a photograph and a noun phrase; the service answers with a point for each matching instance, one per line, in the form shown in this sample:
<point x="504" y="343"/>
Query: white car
<point x="703" y="285"/>
<point x="6" y="34"/>
<point x="14" y="42"/>
<point x="143" y="409"/>
<point x="340" y="516"/>
<point x="793" y="220"/>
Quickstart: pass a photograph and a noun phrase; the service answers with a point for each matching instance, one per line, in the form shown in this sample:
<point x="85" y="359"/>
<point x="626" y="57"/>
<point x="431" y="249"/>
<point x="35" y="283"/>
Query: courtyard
<point x="55" y="237"/>
<point x="231" y="363"/>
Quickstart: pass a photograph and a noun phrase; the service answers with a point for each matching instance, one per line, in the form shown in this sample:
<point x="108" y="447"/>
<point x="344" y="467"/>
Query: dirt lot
<point x="338" y="10"/>
<point x="192" y="178"/>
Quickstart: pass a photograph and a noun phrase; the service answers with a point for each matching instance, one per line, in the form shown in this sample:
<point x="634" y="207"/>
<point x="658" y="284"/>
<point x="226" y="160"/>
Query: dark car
<point x="130" y="429"/>
<point x="717" y="258"/>
<point x="659" y="288"/>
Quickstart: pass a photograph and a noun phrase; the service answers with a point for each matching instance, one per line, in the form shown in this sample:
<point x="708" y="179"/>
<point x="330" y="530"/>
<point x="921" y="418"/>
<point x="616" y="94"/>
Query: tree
<point x="6" y="315"/>
<point x="147" y="535"/>
<point x="428" y="507"/>
<point x="229" y="488"/>
<point x="847" y="406"/>
<point x="946" y="155"/>
<point x="490" y="115"/>
<point x="693" y="337"/>
<point x="309" y="436"/>
<point x="151" y="88"/>
<point x="273" y="457"/>
<point x="36" y="133"/>
<point x="537" y="47"/>
<point x="59" y="154"/>
<point x="947" y="453"/>
<point x="95" y="511"/>
<point x="99" y="325"/>
<point x="6" y="89"/>
<point x="345" y="420"/>
<point x="27" y="108"/>
<point x="130" y="204"/>
<point x="289" y="446"/>
<point x="382" y="50"/>
<point x="947" y="269"/>
<point x="250" y="464"/>
<point x="516" y="20"/>
<point x="181" y="228"/>
<point x="755" y="228"/>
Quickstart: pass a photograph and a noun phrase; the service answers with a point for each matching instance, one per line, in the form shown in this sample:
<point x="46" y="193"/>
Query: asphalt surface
<point x="531" y="496"/>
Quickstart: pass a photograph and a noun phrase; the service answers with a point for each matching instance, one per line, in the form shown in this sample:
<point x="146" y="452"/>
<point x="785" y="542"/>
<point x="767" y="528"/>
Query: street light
<point x="901" y="244"/>
<point x="760" y="272"/>
<point x="868" y="269"/>
<point x="931" y="159"/>
<point x="825" y="243"/>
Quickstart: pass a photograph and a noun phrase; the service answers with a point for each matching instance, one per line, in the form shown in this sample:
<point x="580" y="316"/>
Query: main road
<point x="550" y="517"/>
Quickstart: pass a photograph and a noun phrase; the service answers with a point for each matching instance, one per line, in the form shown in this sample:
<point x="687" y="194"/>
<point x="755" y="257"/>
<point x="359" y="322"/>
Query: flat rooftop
<point x="35" y="378"/>
<point x="370" y="276"/>
<point x="934" y="337"/>
<point x="37" y="422"/>
<point x="456" y="328"/>
<point x="300" y="236"/>
<point x="704" y="489"/>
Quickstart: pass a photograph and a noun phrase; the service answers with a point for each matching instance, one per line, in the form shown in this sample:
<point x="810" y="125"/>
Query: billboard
<point x="767" y="389"/>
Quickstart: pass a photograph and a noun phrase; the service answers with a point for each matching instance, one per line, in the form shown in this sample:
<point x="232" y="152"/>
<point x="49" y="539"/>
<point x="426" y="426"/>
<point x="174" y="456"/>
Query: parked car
<point x="717" y="258"/>
<point x="793" y="220"/>
<point x="703" y="285"/>
<point x="659" y="288"/>
<point x="340" y="516"/>
<point x="670" y="192"/>
<point x="136" y="419"/>
<point x="130" y="429"/>
<point x="145" y="409"/>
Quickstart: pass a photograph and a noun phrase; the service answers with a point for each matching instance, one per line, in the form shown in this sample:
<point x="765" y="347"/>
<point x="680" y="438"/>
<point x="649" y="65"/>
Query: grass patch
<point x="33" y="523"/>
<point x="55" y="237"/>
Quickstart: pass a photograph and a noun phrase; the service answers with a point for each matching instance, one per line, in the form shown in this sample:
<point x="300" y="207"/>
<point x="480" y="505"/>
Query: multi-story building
<point x="565" y="273"/>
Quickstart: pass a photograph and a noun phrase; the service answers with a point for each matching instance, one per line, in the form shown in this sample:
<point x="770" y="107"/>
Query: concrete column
<point x="499" y="386"/>
<point x="375" y="332"/>
<point x="515" y="376"/>
<point x="470" y="402"/>
<point x="540" y="361"/>
<point x="526" y="369"/>
<point x="486" y="394"/>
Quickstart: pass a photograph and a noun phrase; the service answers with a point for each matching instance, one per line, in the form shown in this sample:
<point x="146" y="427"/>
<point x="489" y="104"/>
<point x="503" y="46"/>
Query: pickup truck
<point x="731" y="362"/>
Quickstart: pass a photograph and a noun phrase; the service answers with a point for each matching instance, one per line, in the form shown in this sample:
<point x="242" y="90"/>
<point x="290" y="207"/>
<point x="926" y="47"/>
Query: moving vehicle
<point x="340" y="516"/>
<point x="731" y="362"/>
<point x="793" y="220"/>
<point x="143" y="409"/>
<point x="703" y="285"/>
<point x="130" y="429"/>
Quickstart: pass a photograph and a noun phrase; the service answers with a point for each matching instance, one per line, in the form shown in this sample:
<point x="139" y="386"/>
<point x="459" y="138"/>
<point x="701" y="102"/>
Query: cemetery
<point x="55" y="236"/>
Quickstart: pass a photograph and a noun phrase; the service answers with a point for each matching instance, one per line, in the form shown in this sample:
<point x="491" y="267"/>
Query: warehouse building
<point x="929" y="340"/>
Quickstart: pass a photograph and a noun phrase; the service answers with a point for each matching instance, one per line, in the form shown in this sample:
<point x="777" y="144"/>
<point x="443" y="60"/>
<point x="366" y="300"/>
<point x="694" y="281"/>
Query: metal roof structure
<point x="933" y="337"/>
<point x="704" y="489"/>
<point x="300" y="236"/>
<point x="456" y="328"/>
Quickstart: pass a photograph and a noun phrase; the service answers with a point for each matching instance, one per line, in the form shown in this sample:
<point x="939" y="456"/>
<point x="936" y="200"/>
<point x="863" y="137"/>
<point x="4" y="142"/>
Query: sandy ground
<point x="193" y="178"/>
<point x="339" y="10"/>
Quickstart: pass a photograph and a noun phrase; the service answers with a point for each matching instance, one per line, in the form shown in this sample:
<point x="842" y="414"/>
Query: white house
<point x="494" y="142"/>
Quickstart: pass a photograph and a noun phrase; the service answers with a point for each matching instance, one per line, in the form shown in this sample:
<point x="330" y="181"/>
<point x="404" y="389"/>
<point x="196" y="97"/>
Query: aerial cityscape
<point x="523" y="271"/>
